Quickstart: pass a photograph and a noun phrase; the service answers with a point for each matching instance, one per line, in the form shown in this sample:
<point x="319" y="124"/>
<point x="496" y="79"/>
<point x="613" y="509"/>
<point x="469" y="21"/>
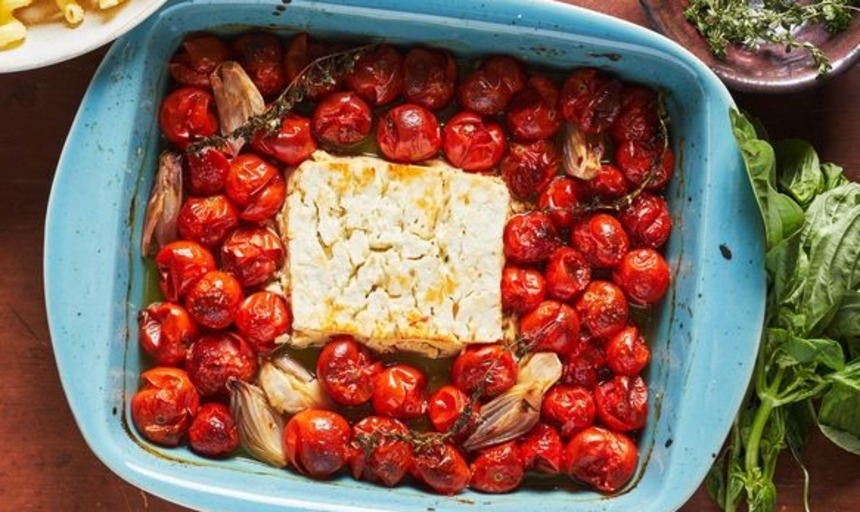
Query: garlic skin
<point x="290" y="388"/>
<point x="582" y="152"/>
<point x="162" y="209"/>
<point x="517" y="410"/>
<point x="261" y="428"/>
<point x="236" y="98"/>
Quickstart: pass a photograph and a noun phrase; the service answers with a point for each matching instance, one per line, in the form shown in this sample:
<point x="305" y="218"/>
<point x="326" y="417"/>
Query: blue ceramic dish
<point x="704" y="341"/>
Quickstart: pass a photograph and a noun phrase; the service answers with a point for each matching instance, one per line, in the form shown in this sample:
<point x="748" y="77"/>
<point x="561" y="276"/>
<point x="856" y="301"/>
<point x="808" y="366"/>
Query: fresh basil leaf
<point x="794" y="350"/>
<point x="800" y="173"/>
<point x="846" y="321"/>
<point x="833" y="176"/>
<point x="839" y="412"/>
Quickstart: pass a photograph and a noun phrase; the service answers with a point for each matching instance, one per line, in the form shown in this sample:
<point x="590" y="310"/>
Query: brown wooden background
<point x="44" y="462"/>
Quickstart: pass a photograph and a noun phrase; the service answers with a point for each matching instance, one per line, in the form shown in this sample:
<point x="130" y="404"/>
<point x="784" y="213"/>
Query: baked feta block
<point x="403" y="257"/>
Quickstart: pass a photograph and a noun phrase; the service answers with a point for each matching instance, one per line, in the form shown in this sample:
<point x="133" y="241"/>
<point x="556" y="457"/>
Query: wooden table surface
<point x="45" y="463"/>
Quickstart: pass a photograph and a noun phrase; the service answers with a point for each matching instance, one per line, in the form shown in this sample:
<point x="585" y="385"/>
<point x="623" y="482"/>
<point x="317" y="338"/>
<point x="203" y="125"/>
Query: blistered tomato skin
<point x="541" y="449"/>
<point x="380" y="452"/>
<point x="647" y="160"/>
<point x="261" y="318"/>
<point x="163" y="407"/>
<point x="217" y="357"/>
<point x="446" y="406"/>
<point x="627" y="352"/>
<point x="256" y="186"/>
<point x="378" y="76"/>
<point x="569" y="408"/>
<point x="484" y="92"/>
<point x="510" y="70"/>
<point x="197" y="59"/>
<point x="187" y="114"/>
<point x="523" y="289"/>
<point x="347" y="371"/>
<point x="429" y="77"/>
<point x="567" y="274"/>
<point x="530" y="238"/>
<point x="252" y="254"/>
<point x="180" y="264"/>
<point x="408" y="133"/>
<point x="207" y="220"/>
<point x="207" y="171"/>
<point x="643" y="274"/>
<point x="638" y="118"/>
<point x="529" y="167"/>
<point x="601" y="239"/>
<point x="400" y="392"/>
<point x="647" y="221"/>
<point x="622" y="403"/>
<point x="213" y="432"/>
<point x="498" y="469"/>
<point x="214" y="300"/>
<point x="472" y="144"/>
<point x="560" y="199"/>
<point x="261" y="56"/>
<point x="342" y="119"/>
<point x="316" y="442"/>
<point x="292" y="144"/>
<point x="166" y="332"/>
<point x="602" y="309"/>
<point x="609" y="184"/>
<point x="533" y="112"/>
<point x="591" y="99"/>
<point x="552" y="327"/>
<point x="600" y="458"/>
<point x="585" y="366"/>
<point x="491" y="368"/>
<point x="300" y="52"/>
<point x="441" y="468"/>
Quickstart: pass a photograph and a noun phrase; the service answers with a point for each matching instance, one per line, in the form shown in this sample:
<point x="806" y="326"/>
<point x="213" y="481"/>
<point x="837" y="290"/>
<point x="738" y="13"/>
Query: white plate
<point x="49" y="43"/>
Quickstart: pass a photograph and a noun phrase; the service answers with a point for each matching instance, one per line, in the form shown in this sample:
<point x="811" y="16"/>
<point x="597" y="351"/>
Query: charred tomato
<point x="622" y="403"/>
<point x="213" y="433"/>
<point x="602" y="309"/>
<point x="523" y="289"/>
<point x="601" y="239"/>
<point x="207" y="220"/>
<point x="180" y="264"/>
<point x="400" y="392"/>
<point x="552" y="326"/>
<point x="530" y="238"/>
<point x="292" y="144"/>
<point x="429" y="77"/>
<point x="498" y="469"/>
<point x="643" y="274"/>
<point x="166" y="331"/>
<point x="378" y="75"/>
<point x="252" y="254"/>
<point x="567" y="274"/>
<point x="163" y="407"/>
<point x="600" y="458"/>
<point x="215" y="358"/>
<point x="381" y="452"/>
<point x="472" y="144"/>
<point x="627" y="353"/>
<point x="529" y="167"/>
<point x="261" y="318"/>
<point x="256" y="186"/>
<point x="408" y="133"/>
<point x="187" y="114"/>
<point x="488" y="370"/>
<point x="533" y="112"/>
<point x="347" y="371"/>
<point x="570" y="408"/>
<point x="316" y="442"/>
<point x="342" y="119"/>
<point x="261" y="56"/>
<point x="214" y="300"/>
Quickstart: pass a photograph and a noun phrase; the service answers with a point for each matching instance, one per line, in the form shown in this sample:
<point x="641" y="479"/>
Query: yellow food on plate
<point x="13" y="25"/>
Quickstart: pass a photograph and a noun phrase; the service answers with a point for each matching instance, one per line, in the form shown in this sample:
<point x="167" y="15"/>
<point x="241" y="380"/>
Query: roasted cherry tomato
<point x="380" y="451"/>
<point x="400" y="391"/>
<point x="347" y="371"/>
<point x="471" y="143"/>
<point x="187" y="114"/>
<point x="530" y="238"/>
<point x="484" y="92"/>
<point x="622" y="403"/>
<point x="638" y="118"/>
<point x="488" y="369"/>
<point x="552" y="326"/>
<point x="214" y="300"/>
<point x="293" y="144"/>
<point x="197" y="59"/>
<point x="342" y="119"/>
<point x="261" y="56"/>
<point x="541" y="449"/>
<point x="408" y="133"/>
<point x="498" y="469"/>
<point x="627" y="353"/>
<point x="207" y="171"/>
<point x="261" y="318"/>
<point x="567" y="274"/>
<point x="252" y="254"/>
<point x="559" y="199"/>
<point x="592" y="99"/>
<point x="377" y="76"/>
<point x="446" y="408"/>
<point x="180" y="265"/>
<point x="602" y="309"/>
<point x="509" y="69"/>
<point x="640" y="161"/>
<point x="643" y="274"/>
<point x="601" y="239"/>
<point x="609" y="184"/>
<point x="213" y="432"/>
<point x="166" y="332"/>
<point x="569" y="408"/>
<point x="647" y="221"/>
<point x="256" y="186"/>
<point x="316" y="442"/>
<point x="523" y="289"/>
<point x="429" y="77"/>
<point x="164" y="405"/>
<point x="207" y="220"/>
<point x="441" y="468"/>
<point x="533" y="112"/>
<point x="602" y="459"/>
<point x="300" y="52"/>
<point x="585" y="366"/>
<point x="217" y="357"/>
<point x="529" y="167"/>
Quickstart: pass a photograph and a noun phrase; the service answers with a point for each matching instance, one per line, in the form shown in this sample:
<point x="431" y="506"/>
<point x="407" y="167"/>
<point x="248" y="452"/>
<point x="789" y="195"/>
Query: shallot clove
<point x="236" y="98"/>
<point x="261" y="427"/>
<point x="162" y="209"/>
<point x="582" y="152"/>
<point x="289" y="387"/>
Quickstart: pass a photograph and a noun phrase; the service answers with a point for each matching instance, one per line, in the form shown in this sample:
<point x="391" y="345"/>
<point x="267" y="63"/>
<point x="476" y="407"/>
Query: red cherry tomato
<point x="207" y="171"/>
<point x="559" y="199"/>
<point x="381" y="452"/>
<point x="472" y="144"/>
<point x="541" y="449"/>
<point x="646" y="219"/>
<point x="213" y="432"/>
<point x="498" y="469"/>
<point x="377" y="76"/>
<point x="523" y="289"/>
<point x="627" y="353"/>
<point x="552" y="326"/>
<point x="207" y="220"/>
<point x="166" y="331"/>
<point x="429" y="77"/>
<point x="447" y="406"/>
<point x="300" y="52"/>
<point x="441" y="468"/>
<point x="567" y="274"/>
<point x="645" y="160"/>
<point x="643" y="274"/>
<point x="571" y="409"/>
<point x="530" y="238"/>
<point x="261" y="318"/>
<point x="217" y="357"/>
<point x="638" y="118"/>
<point x="529" y="167"/>
<point x="197" y="59"/>
<point x="602" y="309"/>
<point x="292" y="145"/>
<point x="261" y="56"/>
<point x="533" y="112"/>
<point x="342" y="119"/>
<point x="214" y="300"/>
<point x="585" y="366"/>
<point x="252" y="254"/>
<point x="511" y="71"/>
<point x="601" y="239"/>
<point x="400" y="391"/>
<point x="622" y="403"/>
<point x="316" y="442"/>
<point x="163" y="407"/>
<point x="609" y="184"/>
<point x="592" y="99"/>
<point x="408" y="133"/>
<point x="180" y="265"/>
<point x="347" y="371"/>
<point x="187" y="114"/>
<point x="256" y="186"/>
<point x="484" y="92"/>
<point x="488" y="368"/>
<point x="602" y="459"/>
